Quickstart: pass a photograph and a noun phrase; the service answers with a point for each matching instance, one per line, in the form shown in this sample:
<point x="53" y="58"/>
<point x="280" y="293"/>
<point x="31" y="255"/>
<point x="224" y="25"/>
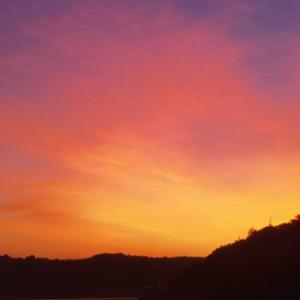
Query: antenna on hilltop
<point x="270" y="222"/>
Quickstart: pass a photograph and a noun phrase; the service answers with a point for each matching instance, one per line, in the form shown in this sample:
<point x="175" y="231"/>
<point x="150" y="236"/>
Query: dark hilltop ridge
<point x="104" y="275"/>
<point x="265" y="265"/>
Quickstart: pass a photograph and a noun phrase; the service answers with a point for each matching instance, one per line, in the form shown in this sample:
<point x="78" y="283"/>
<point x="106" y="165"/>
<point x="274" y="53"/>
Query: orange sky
<point x="157" y="128"/>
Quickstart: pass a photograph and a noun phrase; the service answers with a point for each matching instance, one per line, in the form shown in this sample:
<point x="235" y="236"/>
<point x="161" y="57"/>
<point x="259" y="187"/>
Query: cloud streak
<point x="145" y="124"/>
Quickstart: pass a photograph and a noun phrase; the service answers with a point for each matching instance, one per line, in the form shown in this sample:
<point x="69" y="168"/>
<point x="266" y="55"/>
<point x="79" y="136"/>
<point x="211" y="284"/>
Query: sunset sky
<point x="162" y="127"/>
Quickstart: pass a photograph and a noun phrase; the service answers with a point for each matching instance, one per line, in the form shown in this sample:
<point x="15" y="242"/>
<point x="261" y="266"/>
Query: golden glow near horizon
<point x="163" y="137"/>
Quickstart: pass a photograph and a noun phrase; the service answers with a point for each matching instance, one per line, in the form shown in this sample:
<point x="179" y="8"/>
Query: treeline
<point x="265" y="265"/>
<point x="106" y="275"/>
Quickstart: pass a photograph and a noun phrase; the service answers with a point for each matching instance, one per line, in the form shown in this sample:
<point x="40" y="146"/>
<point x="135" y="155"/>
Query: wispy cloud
<point x="139" y="120"/>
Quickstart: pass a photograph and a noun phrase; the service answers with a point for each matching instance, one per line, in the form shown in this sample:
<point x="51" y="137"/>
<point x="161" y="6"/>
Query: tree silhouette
<point x="264" y="266"/>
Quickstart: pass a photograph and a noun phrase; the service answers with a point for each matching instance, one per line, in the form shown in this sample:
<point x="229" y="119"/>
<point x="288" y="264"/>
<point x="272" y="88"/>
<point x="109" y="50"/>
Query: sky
<point x="161" y="128"/>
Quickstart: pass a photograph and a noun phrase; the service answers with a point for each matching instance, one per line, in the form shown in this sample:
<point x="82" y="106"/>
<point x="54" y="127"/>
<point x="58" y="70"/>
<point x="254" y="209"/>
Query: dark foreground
<point x="101" y="276"/>
<point x="92" y="299"/>
<point x="264" y="266"/>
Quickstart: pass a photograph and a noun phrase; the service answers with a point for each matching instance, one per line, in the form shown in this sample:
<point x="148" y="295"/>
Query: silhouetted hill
<point x="102" y="275"/>
<point x="266" y="266"/>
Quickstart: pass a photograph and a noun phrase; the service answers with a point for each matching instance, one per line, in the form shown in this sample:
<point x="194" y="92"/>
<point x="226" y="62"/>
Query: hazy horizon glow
<point x="158" y="128"/>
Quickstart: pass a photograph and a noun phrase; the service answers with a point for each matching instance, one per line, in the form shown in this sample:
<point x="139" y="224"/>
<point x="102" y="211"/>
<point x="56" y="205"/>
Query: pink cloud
<point x="112" y="91"/>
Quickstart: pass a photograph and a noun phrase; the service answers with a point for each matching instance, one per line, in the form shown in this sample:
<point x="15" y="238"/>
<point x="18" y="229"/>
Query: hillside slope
<point x="106" y="275"/>
<point x="266" y="265"/>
